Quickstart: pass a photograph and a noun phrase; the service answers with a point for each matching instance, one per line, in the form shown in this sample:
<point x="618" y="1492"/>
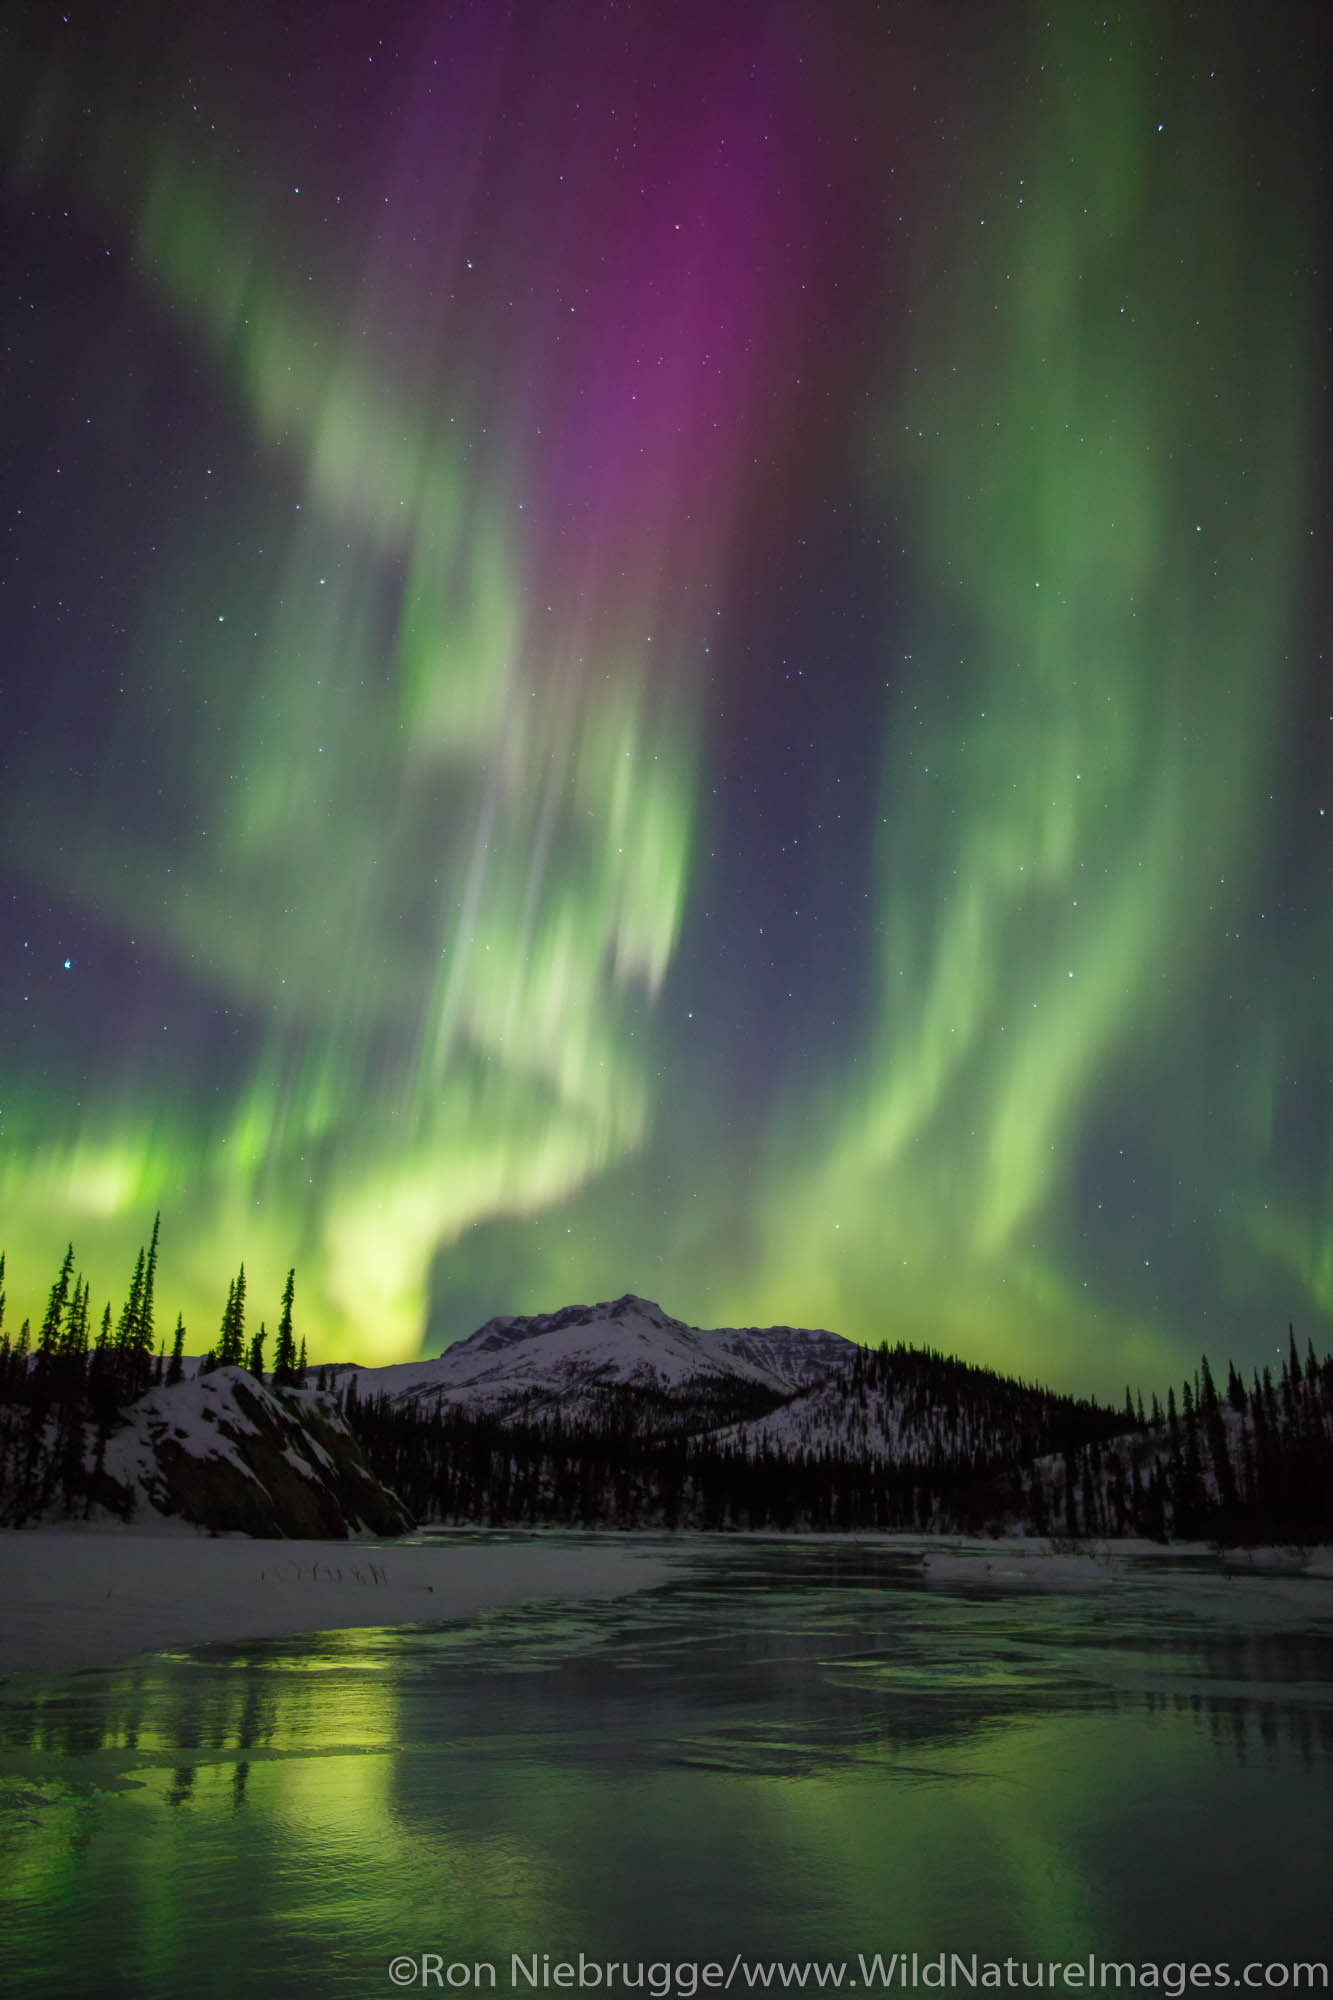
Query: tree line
<point x="64" y="1388"/>
<point x="1252" y="1464"/>
<point x="900" y="1438"/>
<point x="973" y="1452"/>
<point x="606" y="1466"/>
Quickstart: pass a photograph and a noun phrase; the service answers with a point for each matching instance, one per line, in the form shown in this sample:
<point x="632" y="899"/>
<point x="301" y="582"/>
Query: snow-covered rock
<point x="226" y="1452"/>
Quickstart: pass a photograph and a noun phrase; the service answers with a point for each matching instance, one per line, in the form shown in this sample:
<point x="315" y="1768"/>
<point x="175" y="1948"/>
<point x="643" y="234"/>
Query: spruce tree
<point x="100" y="1374"/>
<point x="1207" y="1395"/>
<point x="72" y="1367"/>
<point x="176" y="1365"/>
<point x="74" y="1337"/>
<point x="284" y="1353"/>
<point x="48" y="1337"/>
<point x="131" y="1361"/>
<point x="216" y="1355"/>
<point x="1235" y="1389"/>
<point x="231" y="1347"/>
<point x="145" y="1329"/>
<point x="41" y="1387"/>
<point x="256" y="1360"/>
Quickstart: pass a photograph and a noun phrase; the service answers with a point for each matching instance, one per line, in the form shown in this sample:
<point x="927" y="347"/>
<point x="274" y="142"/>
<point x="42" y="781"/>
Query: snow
<point x="90" y="1596"/>
<point x="80" y="1598"/>
<point x="621" y="1341"/>
<point x="191" y="1413"/>
<point x="203" y="1416"/>
<point x="1265" y="1589"/>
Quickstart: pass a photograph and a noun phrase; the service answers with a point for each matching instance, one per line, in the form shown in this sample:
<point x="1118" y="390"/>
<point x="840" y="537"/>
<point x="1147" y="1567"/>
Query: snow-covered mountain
<point x="530" y="1365"/>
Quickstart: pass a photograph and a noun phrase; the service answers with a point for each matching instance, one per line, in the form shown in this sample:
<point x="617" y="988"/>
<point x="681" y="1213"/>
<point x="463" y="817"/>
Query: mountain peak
<point x="506" y="1330"/>
<point x="538" y="1360"/>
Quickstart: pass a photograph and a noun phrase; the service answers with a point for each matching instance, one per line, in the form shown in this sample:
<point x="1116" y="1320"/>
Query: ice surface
<point x="82" y="1599"/>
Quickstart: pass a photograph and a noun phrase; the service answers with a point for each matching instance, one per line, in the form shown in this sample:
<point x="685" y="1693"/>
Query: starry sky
<point x="674" y="647"/>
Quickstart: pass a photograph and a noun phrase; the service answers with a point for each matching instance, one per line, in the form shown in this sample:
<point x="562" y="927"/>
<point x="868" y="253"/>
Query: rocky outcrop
<point x="230" y="1454"/>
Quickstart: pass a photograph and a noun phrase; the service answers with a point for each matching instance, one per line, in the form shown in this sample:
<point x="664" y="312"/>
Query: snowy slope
<point x="827" y="1418"/>
<point x="882" y="1426"/>
<point x="548" y="1358"/>
<point x="909" y="1408"/>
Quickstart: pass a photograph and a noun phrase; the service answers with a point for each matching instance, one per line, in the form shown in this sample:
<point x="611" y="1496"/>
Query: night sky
<point x="674" y="647"/>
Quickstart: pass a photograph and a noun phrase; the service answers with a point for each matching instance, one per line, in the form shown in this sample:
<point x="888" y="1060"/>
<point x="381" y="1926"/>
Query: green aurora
<point x="1105" y="422"/>
<point x="420" y="704"/>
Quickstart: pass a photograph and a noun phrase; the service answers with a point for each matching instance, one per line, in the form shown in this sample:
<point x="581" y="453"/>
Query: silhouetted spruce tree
<point x="101" y="1372"/>
<point x="284" y="1351"/>
<point x="128" y="1355"/>
<point x="1206" y="1396"/>
<point x="255" y="1362"/>
<point x="1215" y="1431"/>
<point x="48" y="1336"/>
<point x="102" y="1400"/>
<point x="73" y="1343"/>
<point x="144" y="1342"/>
<point x="73" y="1366"/>
<point x="231" y="1347"/>
<point x="41" y="1390"/>
<point x="213" y="1357"/>
<point x="176" y="1365"/>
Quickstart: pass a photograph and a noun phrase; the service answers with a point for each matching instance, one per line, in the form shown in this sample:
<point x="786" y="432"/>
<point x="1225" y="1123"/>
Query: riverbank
<point x="77" y="1600"/>
<point x="90" y="1597"/>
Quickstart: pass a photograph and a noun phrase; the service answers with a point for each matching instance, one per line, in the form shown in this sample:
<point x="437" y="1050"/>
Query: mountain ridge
<point x="524" y="1363"/>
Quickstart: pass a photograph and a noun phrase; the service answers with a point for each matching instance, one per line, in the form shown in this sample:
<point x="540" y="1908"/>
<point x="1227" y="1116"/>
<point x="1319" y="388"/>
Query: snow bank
<point x="1267" y="1584"/>
<point x="78" y="1599"/>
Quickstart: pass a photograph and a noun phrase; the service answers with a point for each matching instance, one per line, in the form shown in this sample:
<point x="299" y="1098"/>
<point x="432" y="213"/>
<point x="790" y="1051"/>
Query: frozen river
<point x="798" y="1752"/>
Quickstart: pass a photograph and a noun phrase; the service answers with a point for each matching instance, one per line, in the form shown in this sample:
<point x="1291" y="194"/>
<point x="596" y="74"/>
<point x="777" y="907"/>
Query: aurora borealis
<point x="672" y="649"/>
